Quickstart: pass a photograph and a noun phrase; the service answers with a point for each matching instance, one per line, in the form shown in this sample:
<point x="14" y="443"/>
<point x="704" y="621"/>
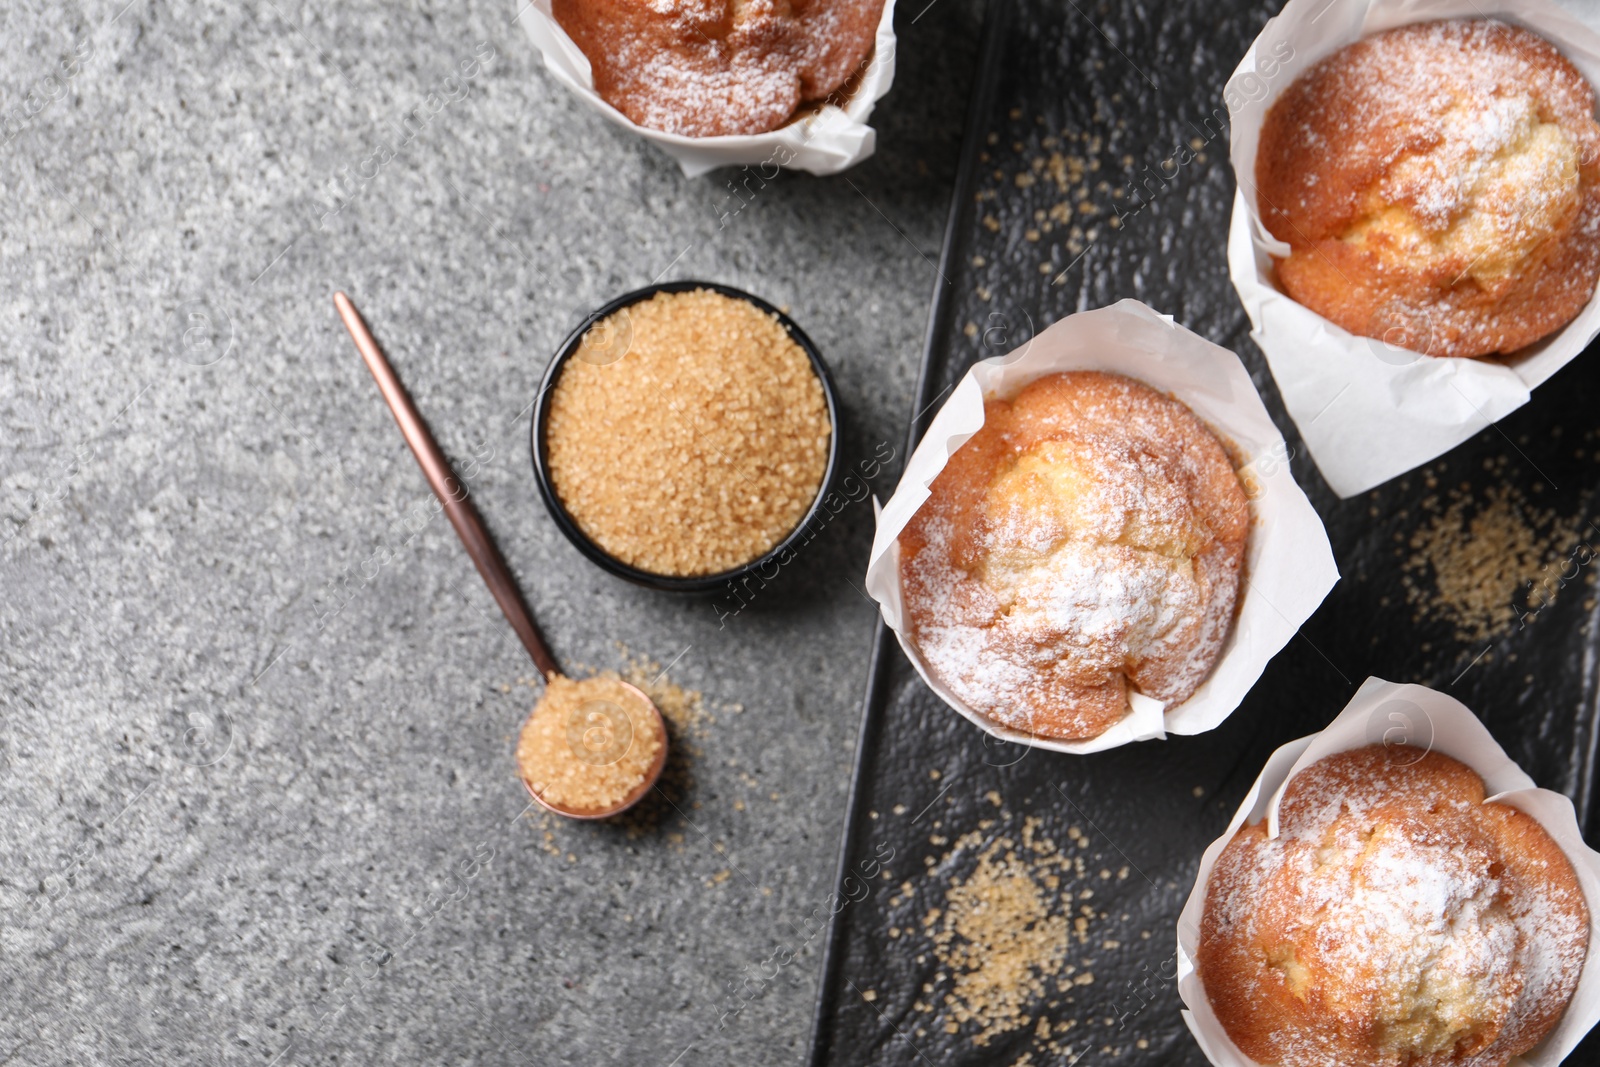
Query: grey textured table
<point x="258" y="799"/>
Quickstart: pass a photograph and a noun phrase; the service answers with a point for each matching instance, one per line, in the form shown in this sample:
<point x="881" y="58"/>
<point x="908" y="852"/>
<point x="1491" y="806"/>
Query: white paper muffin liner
<point x="1289" y="565"/>
<point x="1392" y="714"/>
<point x="1369" y="410"/>
<point x="827" y="142"/>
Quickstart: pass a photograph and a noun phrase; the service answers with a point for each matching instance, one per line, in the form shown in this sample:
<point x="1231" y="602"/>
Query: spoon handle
<point x="449" y="489"/>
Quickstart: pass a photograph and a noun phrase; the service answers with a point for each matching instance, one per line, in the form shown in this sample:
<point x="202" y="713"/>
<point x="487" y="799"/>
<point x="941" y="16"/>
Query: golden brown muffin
<point x="1088" y="539"/>
<point x="704" y="68"/>
<point x="1439" y="186"/>
<point x="1396" y="921"/>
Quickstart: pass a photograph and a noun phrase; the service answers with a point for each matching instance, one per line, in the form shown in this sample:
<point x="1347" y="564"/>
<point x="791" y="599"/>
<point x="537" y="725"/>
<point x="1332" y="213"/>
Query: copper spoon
<point x="469" y="527"/>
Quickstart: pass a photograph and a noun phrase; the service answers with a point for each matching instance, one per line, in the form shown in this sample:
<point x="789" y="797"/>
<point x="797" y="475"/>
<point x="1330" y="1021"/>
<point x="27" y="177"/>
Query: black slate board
<point x="1127" y="84"/>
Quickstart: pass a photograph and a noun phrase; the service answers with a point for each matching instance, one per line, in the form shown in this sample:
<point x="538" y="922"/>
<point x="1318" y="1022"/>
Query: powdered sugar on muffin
<point x="1397" y="919"/>
<point x="1086" y="541"/>
<point x="1439" y="187"/>
<point x="707" y="68"/>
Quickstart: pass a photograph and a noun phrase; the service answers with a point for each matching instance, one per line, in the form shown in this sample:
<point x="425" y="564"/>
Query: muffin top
<point x="1397" y="919"/>
<point x="1439" y="186"/>
<point x="706" y="68"/>
<point x="1087" y="539"/>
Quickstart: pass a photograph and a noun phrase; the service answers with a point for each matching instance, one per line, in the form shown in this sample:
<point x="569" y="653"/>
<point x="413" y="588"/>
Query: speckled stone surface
<point x="258" y="711"/>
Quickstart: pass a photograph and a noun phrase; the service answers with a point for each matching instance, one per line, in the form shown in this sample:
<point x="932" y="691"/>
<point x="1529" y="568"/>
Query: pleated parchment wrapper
<point x="1370" y="410"/>
<point x="1288" y="567"/>
<point x="826" y="142"/>
<point x="1391" y="714"/>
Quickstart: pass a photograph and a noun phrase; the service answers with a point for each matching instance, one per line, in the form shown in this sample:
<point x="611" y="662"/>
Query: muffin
<point x="1086" y="542"/>
<point x="705" y="68"/>
<point x="1438" y="186"/>
<point x="1397" y="920"/>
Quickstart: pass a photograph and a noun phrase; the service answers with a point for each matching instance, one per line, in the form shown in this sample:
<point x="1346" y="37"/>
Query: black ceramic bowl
<point x="669" y="583"/>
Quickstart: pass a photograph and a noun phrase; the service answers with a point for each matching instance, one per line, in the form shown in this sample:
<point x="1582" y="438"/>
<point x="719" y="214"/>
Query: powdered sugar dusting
<point x="1439" y="185"/>
<point x="1087" y="540"/>
<point x="1397" y="919"/>
<point x="716" y="67"/>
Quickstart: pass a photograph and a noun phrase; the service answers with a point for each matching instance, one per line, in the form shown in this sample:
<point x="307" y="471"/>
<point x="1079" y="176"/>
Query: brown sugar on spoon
<point x="707" y="68"/>
<point x="699" y="447"/>
<point x="611" y="728"/>
<point x="1438" y="186"/>
<point x="589" y="744"/>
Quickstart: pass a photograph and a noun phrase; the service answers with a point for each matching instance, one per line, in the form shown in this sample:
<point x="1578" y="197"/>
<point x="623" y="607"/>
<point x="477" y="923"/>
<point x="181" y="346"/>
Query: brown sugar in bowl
<point x="775" y="554"/>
